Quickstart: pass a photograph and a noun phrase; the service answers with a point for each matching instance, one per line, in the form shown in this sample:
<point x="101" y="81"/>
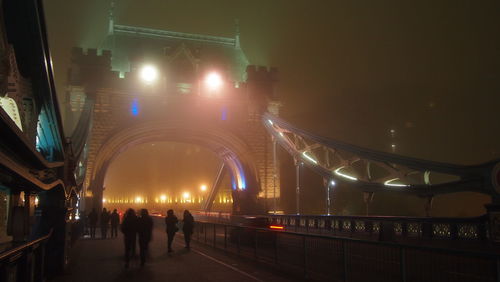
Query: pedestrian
<point x="187" y="227"/>
<point x="115" y="220"/>
<point x="92" y="222"/>
<point x="171" y="223"/>
<point x="85" y="222"/>
<point x="129" y="230"/>
<point x="145" y="232"/>
<point x="104" y="223"/>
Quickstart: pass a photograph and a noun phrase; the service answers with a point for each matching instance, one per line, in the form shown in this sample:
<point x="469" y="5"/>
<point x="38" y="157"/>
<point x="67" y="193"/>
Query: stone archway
<point x="231" y="149"/>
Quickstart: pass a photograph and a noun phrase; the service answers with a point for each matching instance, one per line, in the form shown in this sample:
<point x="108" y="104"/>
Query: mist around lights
<point x="148" y="74"/>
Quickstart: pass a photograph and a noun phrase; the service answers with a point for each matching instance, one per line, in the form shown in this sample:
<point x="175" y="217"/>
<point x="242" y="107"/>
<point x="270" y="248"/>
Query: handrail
<point x="489" y="254"/>
<point x="10" y="252"/>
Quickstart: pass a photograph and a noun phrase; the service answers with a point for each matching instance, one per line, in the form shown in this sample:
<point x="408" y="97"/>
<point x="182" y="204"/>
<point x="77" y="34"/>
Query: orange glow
<point x="276" y="227"/>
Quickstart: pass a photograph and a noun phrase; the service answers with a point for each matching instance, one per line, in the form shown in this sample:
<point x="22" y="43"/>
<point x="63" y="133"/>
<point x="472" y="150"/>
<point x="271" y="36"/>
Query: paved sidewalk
<point x="95" y="260"/>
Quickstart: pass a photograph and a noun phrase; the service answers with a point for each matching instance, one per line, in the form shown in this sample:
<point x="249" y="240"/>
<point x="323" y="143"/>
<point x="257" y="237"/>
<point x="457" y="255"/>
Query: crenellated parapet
<point x="91" y="69"/>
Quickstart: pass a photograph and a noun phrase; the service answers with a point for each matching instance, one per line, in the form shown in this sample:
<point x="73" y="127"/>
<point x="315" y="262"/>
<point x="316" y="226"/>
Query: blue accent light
<point x="135" y="107"/>
<point x="224" y="113"/>
<point x="233" y="182"/>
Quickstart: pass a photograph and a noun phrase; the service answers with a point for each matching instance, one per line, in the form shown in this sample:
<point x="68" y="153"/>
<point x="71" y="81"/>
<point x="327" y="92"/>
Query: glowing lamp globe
<point x="149" y="74"/>
<point x="213" y="81"/>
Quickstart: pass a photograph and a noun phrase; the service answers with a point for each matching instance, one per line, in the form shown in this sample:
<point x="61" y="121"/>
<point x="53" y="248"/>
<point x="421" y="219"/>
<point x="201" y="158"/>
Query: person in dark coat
<point x="104" y="223"/>
<point x="115" y="220"/>
<point x="145" y="231"/>
<point x="171" y="223"/>
<point x="187" y="227"/>
<point x="92" y="222"/>
<point x="129" y="230"/>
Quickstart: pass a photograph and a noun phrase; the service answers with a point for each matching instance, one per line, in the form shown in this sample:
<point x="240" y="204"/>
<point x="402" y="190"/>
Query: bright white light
<point x="213" y="81"/>
<point x="337" y="172"/>
<point x="270" y="121"/>
<point x="104" y="200"/>
<point x="163" y="198"/>
<point x="185" y="195"/>
<point x="388" y="183"/>
<point x="333" y="183"/>
<point x="138" y="199"/>
<point x="309" y="157"/>
<point x="149" y="74"/>
<point x="282" y="135"/>
<point x="203" y="187"/>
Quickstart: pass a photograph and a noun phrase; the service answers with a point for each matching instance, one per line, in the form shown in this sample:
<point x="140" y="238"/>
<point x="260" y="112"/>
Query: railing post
<point x="205" y="232"/>
<point x="402" y="262"/>
<point x="215" y="233"/>
<point x="276" y="236"/>
<point x="304" y="254"/>
<point x="225" y="237"/>
<point x="239" y="237"/>
<point x="498" y="269"/>
<point x="255" y="243"/>
<point x="346" y="260"/>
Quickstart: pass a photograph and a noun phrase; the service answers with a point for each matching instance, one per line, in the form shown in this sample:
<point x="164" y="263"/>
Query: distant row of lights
<point x="140" y="200"/>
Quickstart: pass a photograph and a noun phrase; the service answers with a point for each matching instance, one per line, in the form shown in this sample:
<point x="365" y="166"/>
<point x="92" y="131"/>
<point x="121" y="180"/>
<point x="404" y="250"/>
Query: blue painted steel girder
<point x="373" y="171"/>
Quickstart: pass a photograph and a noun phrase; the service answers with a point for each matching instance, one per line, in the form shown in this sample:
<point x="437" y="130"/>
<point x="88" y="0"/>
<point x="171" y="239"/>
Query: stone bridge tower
<point x="105" y="90"/>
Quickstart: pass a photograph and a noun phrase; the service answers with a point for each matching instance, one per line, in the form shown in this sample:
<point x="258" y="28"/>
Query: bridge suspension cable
<point x="373" y="171"/>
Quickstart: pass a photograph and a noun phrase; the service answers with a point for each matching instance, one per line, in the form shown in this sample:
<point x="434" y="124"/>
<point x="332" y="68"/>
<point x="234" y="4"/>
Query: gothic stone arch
<point x="235" y="153"/>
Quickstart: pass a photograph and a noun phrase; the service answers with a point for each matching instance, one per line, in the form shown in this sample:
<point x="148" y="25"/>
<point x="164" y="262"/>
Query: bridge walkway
<point x="102" y="260"/>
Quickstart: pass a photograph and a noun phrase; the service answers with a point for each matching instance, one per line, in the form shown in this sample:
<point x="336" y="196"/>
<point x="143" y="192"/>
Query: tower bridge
<point x="200" y="89"/>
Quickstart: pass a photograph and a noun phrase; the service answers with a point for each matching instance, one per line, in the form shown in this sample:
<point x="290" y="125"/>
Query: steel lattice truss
<point x="373" y="171"/>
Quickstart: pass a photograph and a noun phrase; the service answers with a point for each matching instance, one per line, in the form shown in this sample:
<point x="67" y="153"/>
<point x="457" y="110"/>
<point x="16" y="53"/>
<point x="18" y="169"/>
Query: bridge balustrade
<point x="25" y="262"/>
<point x="389" y="227"/>
<point x="328" y="258"/>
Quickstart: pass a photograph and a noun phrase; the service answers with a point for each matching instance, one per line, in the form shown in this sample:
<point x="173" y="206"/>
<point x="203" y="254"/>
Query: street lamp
<point x="148" y="74"/>
<point x="203" y="187"/>
<point x="163" y="198"/>
<point x="213" y="81"/>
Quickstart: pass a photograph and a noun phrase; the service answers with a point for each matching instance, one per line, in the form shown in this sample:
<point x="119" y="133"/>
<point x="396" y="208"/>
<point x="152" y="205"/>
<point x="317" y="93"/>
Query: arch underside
<point x="231" y="149"/>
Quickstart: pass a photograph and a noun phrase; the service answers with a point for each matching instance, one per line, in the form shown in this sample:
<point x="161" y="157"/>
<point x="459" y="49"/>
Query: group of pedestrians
<point x="141" y="226"/>
<point x="105" y="219"/>
<point x="133" y="226"/>
<point x="171" y="223"/>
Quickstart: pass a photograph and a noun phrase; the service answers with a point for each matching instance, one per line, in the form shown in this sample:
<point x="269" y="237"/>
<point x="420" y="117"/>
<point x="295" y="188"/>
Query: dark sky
<point x="350" y="70"/>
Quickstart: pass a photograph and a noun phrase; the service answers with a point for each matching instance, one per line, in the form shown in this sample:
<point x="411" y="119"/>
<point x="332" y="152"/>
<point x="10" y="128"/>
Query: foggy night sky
<point x="349" y="70"/>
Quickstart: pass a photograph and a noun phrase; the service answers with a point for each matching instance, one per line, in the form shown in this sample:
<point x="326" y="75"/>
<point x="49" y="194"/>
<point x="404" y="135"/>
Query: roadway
<point x="102" y="260"/>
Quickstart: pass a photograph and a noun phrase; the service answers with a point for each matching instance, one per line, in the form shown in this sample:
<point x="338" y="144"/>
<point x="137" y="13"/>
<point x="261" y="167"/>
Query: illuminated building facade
<point x="148" y="85"/>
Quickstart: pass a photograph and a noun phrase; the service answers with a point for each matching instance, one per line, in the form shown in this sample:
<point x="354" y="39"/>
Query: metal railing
<point x="425" y="228"/>
<point x="328" y="258"/>
<point x="25" y="262"/>
<point x="375" y="227"/>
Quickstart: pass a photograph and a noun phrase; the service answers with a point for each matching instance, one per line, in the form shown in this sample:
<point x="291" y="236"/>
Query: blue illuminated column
<point x="134" y="108"/>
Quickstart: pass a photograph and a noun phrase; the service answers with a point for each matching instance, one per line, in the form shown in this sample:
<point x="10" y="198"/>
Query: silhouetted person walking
<point x="187" y="227"/>
<point x="92" y="222"/>
<point x="129" y="230"/>
<point x="171" y="222"/>
<point x="104" y="223"/>
<point x="115" y="220"/>
<point x="145" y="231"/>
